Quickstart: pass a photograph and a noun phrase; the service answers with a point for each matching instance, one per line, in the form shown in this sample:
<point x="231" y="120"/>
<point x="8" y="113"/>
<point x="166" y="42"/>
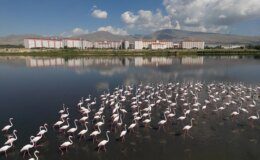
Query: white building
<point x="72" y="43"/>
<point x="43" y="43"/>
<point x="192" y="44"/>
<point x="157" y="46"/>
<point x="138" y="45"/>
<point x="87" y="44"/>
<point x="125" y="45"/>
<point x="107" y="44"/>
<point x="153" y="44"/>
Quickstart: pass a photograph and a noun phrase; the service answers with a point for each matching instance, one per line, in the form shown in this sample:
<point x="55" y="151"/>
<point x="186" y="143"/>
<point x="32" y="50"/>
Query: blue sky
<point x="68" y="17"/>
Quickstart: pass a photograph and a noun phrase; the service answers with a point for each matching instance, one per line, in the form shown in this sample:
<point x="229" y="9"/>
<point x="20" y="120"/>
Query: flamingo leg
<point x="29" y="153"/>
<point x="61" y="150"/>
<point x="189" y="135"/>
<point x="24" y="153"/>
<point x="164" y="128"/>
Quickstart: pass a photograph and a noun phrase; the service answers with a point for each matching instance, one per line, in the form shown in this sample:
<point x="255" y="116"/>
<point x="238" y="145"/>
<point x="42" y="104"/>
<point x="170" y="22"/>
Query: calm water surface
<point x="32" y="91"/>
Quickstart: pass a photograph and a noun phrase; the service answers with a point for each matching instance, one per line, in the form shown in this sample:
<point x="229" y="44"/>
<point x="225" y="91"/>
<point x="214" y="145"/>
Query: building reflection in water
<point x="44" y="62"/>
<point x="128" y="61"/>
<point x="192" y="60"/>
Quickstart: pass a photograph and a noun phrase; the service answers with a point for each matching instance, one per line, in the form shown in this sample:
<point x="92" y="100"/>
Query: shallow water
<point x="32" y="91"/>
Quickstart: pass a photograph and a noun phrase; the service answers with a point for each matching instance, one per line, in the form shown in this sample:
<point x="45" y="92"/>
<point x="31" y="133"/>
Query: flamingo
<point x="147" y="121"/>
<point x="7" y="127"/>
<point x="171" y="115"/>
<point x="35" y="139"/>
<point x="66" y="145"/>
<point x="5" y="149"/>
<point x="95" y="133"/>
<point x="12" y="139"/>
<point x="73" y="130"/>
<point x="94" y="102"/>
<point x="252" y="118"/>
<point x="123" y="133"/>
<point x="62" y="110"/>
<point x="162" y="122"/>
<point x="104" y="142"/>
<point x="187" y="128"/>
<point x="100" y="123"/>
<point x="132" y="126"/>
<point x="65" y="127"/>
<point x="83" y="132"/>
<point x="43" y="131"/>
<point x="88" y="99"/>
<point x="58" y="123"/>
<point x="35" y="155"/>
<point x="27" y="148"/>
<point x="204" y="107"/>
<point x="83" y="119"/>
<point x="181" y="118"/>
<point x="65" y="115"/>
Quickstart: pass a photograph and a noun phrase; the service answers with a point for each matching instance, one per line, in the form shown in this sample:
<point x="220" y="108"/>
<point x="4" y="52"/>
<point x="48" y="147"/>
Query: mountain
<point x="210" y="38"/>
<point x="16" y="39"/>
<point x="166" y="34"/>
<point x="105" y="36"/>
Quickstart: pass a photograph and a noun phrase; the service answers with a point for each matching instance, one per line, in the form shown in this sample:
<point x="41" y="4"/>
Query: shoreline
<point x="85" y="53"/>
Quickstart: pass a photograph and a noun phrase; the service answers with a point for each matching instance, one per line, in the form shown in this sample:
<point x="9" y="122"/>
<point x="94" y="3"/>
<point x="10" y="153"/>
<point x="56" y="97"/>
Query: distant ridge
<point x="16" y="39"/>
<point x="215" y="38"/>
<point x="166" y="34"/>
<point x="104" y="36"/>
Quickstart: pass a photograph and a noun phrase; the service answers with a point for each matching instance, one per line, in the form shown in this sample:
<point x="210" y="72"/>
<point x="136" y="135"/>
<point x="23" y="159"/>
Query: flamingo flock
<point x="129" y="109"/>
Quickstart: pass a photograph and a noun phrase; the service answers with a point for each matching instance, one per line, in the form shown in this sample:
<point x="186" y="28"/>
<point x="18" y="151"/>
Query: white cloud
<point x="97" y="13"/>
<point x="118" y="31"/>
<point x="146" y="20"/>
<point x="211" y="15"/>
<point x="75" y="32"/>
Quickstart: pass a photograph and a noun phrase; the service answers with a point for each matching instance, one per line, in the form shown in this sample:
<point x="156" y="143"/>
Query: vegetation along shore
<point x="79" y="53"/>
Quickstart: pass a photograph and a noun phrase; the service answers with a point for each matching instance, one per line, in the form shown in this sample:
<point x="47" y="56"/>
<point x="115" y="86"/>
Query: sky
<point x="123" y="17"/>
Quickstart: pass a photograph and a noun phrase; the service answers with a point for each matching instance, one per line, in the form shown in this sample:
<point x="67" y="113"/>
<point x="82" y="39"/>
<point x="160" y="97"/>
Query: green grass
<point x="68" y="53"/>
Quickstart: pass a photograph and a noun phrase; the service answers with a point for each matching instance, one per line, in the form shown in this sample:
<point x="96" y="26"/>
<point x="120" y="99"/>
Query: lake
<point x="33" y="90"/>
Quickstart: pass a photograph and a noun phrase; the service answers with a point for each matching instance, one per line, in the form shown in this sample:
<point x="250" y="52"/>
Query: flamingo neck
<point x="75" y="125"/>
<point x="15" y="136"/>
<point x="86" y="127"/>
<point x="70" y="140"/>
<point x="68" y="122"/>
<point x="11" y="122"/>
<point x="107" y="137"/>
<point x="35" y="154"/>
<point x="46" y="129"/>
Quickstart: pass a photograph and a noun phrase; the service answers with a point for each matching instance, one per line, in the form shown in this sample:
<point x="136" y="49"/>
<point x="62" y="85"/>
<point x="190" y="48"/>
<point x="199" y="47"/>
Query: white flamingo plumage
<point x="103" y="143"/>
<point x="7" y="127"/>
